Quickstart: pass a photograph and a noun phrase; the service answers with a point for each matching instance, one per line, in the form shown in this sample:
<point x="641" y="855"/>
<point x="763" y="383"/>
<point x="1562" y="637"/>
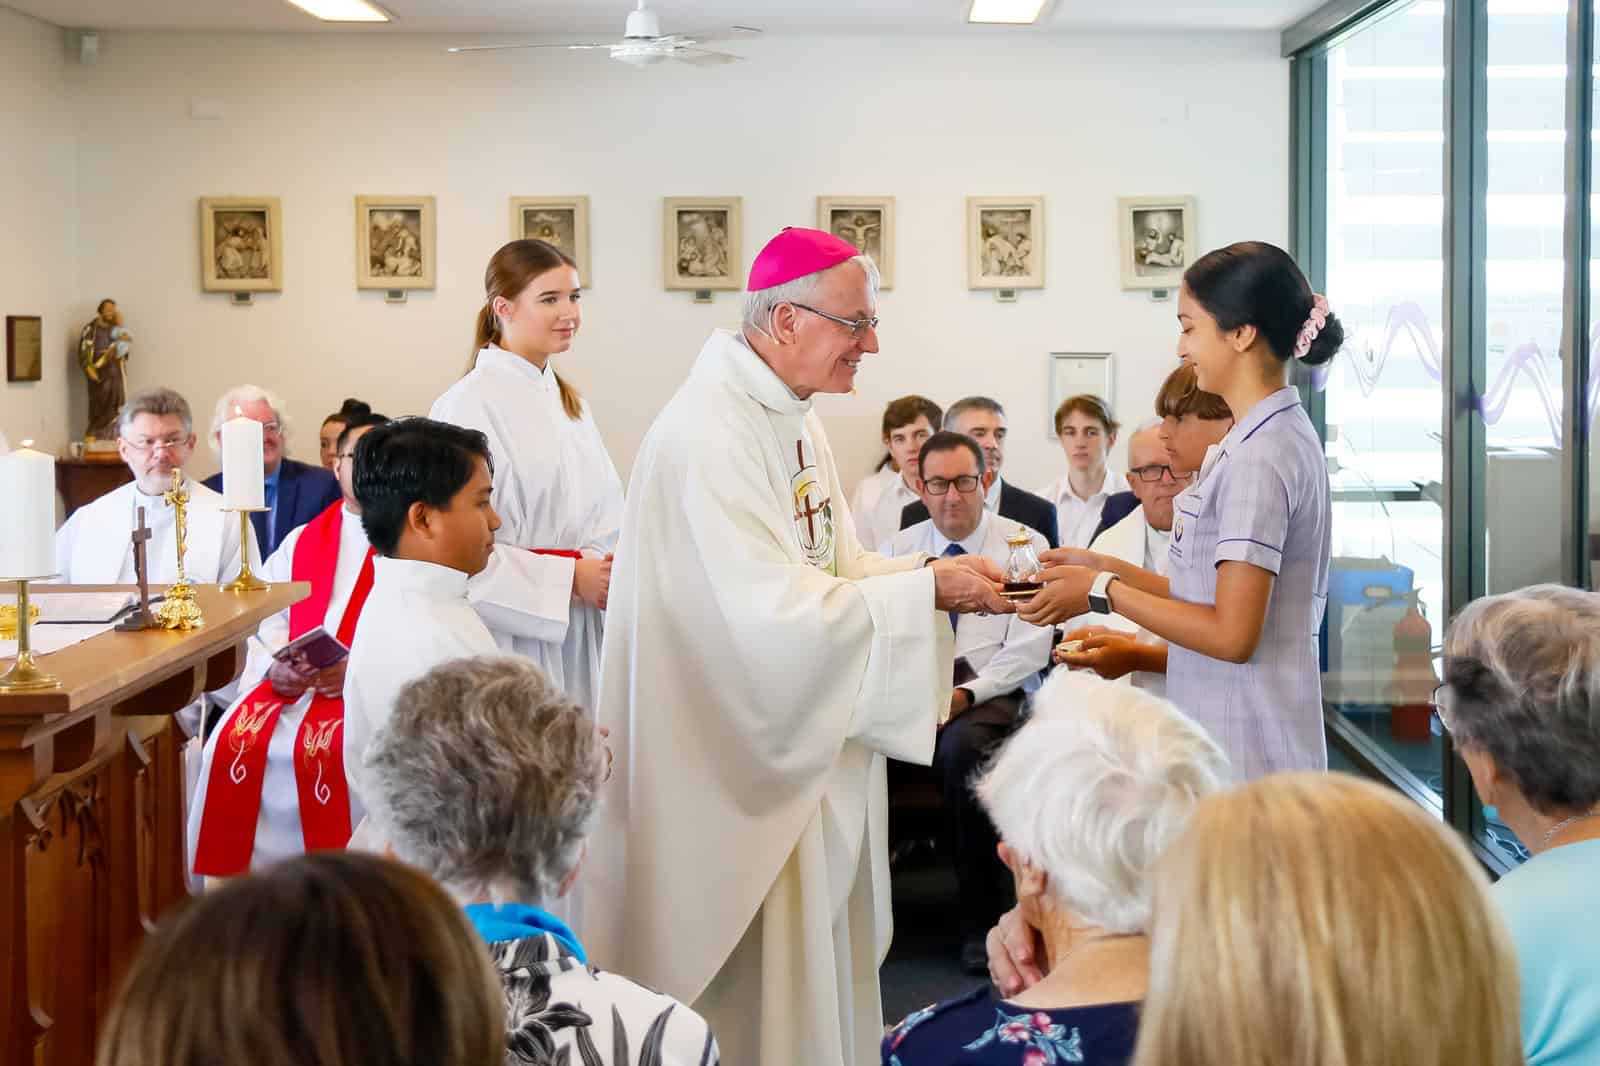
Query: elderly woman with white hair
<point x="488" y="778"/>
<point x="296" y="492"/>
<point x="1086" y="797"/>
<point x="1521" y="697"/>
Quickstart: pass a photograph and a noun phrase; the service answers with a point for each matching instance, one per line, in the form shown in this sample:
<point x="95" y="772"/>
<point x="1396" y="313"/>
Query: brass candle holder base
<point x="25" y="675"/>
<point x="247" y="580"/>
<point x="178" y="610"/>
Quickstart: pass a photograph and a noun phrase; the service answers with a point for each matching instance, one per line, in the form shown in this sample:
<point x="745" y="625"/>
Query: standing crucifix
<point x="141" y="618"/>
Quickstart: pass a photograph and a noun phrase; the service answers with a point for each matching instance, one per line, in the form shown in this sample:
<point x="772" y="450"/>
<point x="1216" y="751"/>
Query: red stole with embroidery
<point x="239" y="762"/>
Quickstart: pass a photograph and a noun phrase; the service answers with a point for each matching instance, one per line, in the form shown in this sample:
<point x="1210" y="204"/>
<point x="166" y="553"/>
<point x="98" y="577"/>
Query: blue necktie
<point x="270" y="498"/>
<point x="949" y="553"/>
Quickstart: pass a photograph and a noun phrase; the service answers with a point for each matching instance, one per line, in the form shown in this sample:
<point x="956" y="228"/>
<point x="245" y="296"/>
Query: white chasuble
<point x="95" y="546"/>
<point x="758" y="668"/>
<point x="555" y="488"/>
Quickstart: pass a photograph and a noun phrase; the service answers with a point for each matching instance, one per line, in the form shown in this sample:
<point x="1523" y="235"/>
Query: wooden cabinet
<point x="81" y="481"/>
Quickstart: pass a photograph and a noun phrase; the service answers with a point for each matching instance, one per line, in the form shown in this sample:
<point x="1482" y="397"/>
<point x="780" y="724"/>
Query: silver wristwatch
<point x="1099" y="602"/>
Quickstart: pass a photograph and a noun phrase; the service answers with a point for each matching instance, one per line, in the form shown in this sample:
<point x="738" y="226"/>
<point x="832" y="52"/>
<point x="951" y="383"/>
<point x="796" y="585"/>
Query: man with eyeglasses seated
<point x="1111" y="645"/>
<point x="998" y="662"/>
<point x="155" y="436"/>
<point x="296" y="492"/>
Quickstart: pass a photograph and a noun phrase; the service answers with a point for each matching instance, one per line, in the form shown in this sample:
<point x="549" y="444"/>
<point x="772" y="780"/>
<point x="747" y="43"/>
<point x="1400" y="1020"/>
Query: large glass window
<point x="1381" y="105"/>
<point x="1384" y="398"/>
<point x="1521" y="403"/>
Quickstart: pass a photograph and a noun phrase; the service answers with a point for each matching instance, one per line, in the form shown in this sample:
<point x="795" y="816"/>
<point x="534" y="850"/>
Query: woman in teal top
<point x="1522" y="699"/>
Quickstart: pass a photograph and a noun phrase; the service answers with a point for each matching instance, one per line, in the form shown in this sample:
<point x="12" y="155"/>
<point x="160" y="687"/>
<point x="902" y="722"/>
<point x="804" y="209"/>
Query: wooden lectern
<point x="92" y="817"/>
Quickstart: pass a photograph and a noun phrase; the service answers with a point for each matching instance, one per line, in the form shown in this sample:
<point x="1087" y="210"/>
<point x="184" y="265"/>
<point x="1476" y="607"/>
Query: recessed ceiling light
<point x="1014" y="12"/>
<point x="342" y="10"/>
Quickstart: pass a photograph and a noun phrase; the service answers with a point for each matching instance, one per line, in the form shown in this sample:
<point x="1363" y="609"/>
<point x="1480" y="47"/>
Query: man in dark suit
<point x="295" y="492"/>
<point x="984" y="421"/>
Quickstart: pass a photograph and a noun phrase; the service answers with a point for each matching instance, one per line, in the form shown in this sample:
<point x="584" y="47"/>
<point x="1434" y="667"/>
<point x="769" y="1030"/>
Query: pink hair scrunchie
<point x="1313" y="326"/>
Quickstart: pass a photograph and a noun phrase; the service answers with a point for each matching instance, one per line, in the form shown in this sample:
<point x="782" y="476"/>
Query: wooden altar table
<point x="92" y="818"/>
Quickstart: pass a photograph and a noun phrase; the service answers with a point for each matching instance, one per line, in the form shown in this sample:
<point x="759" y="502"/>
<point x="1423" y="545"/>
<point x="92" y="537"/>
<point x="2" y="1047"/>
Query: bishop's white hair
<point x="759" y="305"/>
<point x="1094" y="788"/>
<point x="238" y="396"/>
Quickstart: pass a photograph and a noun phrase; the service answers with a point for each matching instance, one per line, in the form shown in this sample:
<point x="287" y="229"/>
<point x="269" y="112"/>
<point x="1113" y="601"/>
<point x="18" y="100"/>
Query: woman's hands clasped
<point x="591" y="581"/>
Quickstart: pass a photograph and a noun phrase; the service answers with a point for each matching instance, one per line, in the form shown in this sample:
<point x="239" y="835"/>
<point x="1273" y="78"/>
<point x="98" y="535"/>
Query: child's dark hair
<point x="371" y="418"/>
<point x="407" y="461"/>
<point x="1253" y="283"/>
<point x="349" y="411"/>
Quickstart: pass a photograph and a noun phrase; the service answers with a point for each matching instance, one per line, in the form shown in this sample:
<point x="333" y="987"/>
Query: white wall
<point x="316" y="119"/>
<point x="39" y="225"/>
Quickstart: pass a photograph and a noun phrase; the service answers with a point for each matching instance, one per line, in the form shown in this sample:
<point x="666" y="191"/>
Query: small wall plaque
<point x="702" y="296"/>
<point x="394" y="296"/>
<point x="242" y="299"/>
<point x="24" y="348"/>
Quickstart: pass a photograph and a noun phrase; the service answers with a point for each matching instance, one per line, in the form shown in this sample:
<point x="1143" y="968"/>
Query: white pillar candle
<point x="28" y="498"/>
<point x="243" y="468"/>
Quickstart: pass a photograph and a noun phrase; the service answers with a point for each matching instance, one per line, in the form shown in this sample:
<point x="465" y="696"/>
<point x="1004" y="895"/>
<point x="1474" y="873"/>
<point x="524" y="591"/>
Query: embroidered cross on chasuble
<point x="238" y="767"/>
<point x="813" y="512"/>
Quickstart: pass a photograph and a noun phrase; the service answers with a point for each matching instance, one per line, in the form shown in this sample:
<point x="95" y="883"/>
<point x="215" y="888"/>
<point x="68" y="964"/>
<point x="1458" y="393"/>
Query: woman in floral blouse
<point x="488" y="778"/>
<point x="1086" y="797"/>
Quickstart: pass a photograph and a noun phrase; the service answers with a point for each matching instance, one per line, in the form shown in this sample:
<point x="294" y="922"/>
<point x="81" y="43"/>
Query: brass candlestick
<point x="25" y="675"/>
<point x="178" y="610"/>
<point x="247" y="580"/>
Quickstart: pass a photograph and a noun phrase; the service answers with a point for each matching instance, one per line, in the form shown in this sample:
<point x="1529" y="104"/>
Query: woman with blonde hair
<point x="333" y="959"/>
<point x="555" y="488"/>
<point x="1322" y="919"/>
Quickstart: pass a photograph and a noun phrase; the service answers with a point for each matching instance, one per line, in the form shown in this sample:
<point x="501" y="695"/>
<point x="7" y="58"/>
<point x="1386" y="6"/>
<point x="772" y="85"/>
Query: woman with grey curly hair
<point x="1521" y="697"/>
<point x="488" y="778"/>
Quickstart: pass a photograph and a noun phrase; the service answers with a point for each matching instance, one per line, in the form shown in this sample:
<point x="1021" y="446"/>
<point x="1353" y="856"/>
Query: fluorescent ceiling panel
<point x="341" y="10"/>
<point x="1013" y="12"/>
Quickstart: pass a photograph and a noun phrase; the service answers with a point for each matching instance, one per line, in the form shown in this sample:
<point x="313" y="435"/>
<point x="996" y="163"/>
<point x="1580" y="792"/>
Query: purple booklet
<point x="313" y="651"/>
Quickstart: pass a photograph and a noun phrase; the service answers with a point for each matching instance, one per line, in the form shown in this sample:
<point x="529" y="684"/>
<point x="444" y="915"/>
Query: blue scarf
<point x="500" y="922"/>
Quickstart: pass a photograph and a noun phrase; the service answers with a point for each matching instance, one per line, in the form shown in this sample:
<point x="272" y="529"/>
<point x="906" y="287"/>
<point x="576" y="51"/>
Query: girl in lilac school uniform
<point x="1248" y="574"/>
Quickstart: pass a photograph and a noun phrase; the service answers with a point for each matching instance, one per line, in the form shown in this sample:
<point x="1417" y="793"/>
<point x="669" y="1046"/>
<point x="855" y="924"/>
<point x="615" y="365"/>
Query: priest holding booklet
<point x="758" y="667"/>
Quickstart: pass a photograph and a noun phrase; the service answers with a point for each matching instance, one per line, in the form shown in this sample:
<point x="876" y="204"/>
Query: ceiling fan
<point x="643" y="43"/>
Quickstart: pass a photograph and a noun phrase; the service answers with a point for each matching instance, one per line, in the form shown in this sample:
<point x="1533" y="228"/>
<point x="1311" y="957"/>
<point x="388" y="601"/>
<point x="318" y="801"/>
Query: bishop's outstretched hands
<point x="969" y="584"/>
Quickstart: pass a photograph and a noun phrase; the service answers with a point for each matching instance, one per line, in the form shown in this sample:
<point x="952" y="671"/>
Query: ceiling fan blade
<point x="506" y="47"/>
<point x="726" y="33"/>
<point x="702" y="57"/>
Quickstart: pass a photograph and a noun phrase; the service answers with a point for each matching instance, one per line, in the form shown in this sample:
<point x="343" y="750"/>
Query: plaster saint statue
<point x="103" y="346"/>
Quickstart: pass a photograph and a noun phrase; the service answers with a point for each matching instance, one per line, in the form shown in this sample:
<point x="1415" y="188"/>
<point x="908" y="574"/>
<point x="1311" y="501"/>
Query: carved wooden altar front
<point x="92" y="817"/>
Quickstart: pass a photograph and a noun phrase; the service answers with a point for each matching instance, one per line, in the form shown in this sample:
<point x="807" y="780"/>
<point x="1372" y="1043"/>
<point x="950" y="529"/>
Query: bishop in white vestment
<point x="758" y="668"/>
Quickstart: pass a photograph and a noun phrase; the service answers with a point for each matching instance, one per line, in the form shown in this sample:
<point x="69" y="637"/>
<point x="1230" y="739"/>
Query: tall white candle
<point x="28" y="497"/>
<point x="243" y="468"/>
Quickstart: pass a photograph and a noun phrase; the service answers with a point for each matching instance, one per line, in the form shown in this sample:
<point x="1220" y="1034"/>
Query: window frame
<point x="1306" y="44"/>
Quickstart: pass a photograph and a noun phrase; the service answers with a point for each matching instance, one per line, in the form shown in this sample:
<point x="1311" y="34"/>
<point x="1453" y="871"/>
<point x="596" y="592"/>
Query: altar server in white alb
<point x="424" y="490"/>
<point x="95" y="546"/>
<point x="555" y="488"/>
<point x="759" y="665"/>
<point x="279" y="788"/>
